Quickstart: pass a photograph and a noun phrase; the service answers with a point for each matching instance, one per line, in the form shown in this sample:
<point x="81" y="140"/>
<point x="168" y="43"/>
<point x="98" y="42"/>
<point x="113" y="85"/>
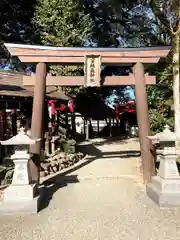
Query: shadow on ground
<point x="61" y="180"/>
<point x="121" y="154"/>
<point x="54" y="183"/>
<point x="110" y="140"/>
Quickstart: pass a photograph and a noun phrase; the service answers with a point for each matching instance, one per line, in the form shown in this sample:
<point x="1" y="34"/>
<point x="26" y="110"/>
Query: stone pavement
<point x="112" y="159"/>
<point x="100" y="201"/>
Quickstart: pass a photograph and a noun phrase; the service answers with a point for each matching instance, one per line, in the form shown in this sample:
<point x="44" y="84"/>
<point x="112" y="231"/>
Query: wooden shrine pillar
<point x="3" y="131"/>
<point x="37" y="124"/>
<point x="143" y="122"/>
<point x="87" y="130"/>
<point x="14" y="121"/>
<point x="110" y="126"/>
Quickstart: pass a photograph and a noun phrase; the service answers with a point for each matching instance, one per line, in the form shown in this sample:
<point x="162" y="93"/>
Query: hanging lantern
<point x="92" y="70"/>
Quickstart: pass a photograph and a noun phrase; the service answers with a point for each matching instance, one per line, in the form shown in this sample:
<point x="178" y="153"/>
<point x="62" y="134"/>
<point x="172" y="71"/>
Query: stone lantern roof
<point x="165" y="136"/>
<point x="20" y="139"/>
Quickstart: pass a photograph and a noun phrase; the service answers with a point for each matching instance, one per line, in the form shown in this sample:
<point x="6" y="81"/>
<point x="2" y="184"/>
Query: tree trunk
<point x="176" y="78"/>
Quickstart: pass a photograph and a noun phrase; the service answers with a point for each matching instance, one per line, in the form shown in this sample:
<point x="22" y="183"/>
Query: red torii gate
<point x="135" y="57"/>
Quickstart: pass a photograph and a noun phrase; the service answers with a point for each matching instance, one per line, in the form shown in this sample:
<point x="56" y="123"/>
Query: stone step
<point x="163" y="199"/>
<point x="166" y="185"/>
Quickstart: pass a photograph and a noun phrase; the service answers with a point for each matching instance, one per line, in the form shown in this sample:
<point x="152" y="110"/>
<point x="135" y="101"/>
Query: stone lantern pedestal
<point x="165" y="187"/>
<point x="21" y="187"/>
<point x="21" y="196"/>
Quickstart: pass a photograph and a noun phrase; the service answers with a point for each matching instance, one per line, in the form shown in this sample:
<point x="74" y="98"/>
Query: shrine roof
<point x="11" y="84"/>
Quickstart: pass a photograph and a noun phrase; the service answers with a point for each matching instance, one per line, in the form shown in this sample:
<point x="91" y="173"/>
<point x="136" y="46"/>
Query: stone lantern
<point x="165" y="187"/>
<point x="20" y="195"/>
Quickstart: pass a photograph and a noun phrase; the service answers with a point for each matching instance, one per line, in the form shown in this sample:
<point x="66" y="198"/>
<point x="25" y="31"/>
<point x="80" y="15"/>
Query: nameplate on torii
<point x="92" y="71"/>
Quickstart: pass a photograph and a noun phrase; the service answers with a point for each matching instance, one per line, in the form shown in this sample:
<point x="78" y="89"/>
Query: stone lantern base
<point x="23" y="206"/>
<point x="21" y="196"/>
<point x="164" y="192"/>
<point x="165" y="188"/>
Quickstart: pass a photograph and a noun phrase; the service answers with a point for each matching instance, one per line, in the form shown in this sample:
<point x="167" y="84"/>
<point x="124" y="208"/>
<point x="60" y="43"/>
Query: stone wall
<point x="58" y="162"/>
<point x="52" y="164"/>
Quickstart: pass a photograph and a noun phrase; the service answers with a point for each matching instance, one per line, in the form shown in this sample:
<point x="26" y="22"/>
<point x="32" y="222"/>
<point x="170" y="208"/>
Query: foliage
<point x="15" y="16"/>
<point x="160" y="103"/>
<point x="160" y="96"/>
<point x="158" y="121"/>
<point x="145" y="24"/>
<point x="62" y="23"/>
<point x="119" y="23"/>
<point x="166" y="19"/>
<point x="114" y="23"/>
<point x="15" y="27"/>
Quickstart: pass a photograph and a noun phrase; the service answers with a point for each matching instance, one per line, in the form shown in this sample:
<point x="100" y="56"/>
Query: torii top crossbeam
<point x="33" y="53"/>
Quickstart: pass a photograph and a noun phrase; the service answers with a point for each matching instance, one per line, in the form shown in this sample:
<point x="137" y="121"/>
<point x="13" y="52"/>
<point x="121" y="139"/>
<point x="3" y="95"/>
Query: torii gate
<point x="92" y="57"/>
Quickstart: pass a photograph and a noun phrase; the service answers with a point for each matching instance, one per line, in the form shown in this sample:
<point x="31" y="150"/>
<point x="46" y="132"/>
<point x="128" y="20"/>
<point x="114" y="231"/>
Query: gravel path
<point x="93" y="206"/>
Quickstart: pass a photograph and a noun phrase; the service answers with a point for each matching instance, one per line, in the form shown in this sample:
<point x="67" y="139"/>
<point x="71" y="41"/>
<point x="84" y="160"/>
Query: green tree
<point x="15" y="21"/>
<point x="61" y="23"/>
<point x="167" y="21"/>
<point x="119" y="23"/>
<point x="15" y="27"/>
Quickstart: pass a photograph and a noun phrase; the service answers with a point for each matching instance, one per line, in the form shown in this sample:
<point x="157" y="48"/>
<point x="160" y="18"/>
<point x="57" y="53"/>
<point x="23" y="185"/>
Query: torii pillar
<point x="143" y="122"/>
<point x="38" y="119"/>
